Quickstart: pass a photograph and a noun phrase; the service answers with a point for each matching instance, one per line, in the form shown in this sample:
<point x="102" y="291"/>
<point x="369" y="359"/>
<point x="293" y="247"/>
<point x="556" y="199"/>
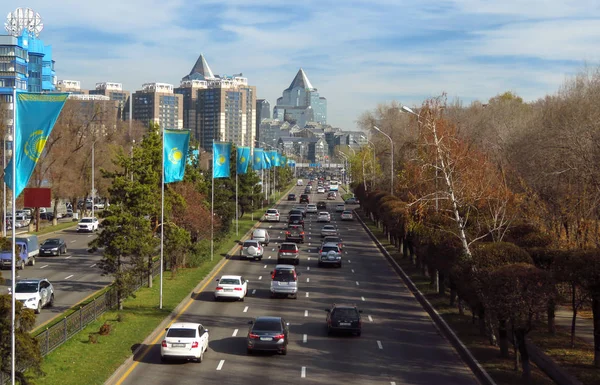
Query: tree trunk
<point x="452" y="292"/>
<point x="574" y="318"/>
<point x="150" y="272"/>
<point x="481" y="316"/>
<point x="520" y="338"/>
<point x="551" y="316"/>
<point x="491" y="330"/>
<point x="441" y="282"/>
<point x="596" y="312"/>
<point x="503" y="339"/>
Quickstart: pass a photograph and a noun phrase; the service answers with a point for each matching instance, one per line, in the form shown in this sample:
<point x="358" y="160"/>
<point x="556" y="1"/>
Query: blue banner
<point x="266" y="160"/>
<point x="257" y="163"/>
<point x="283" y="160"/>
<point x="175" y="152"/>
<point x="221" y="154"/>
<point x="36" y="115"/>
<point x="243" y="157"/>
<point x="277" y="159"/>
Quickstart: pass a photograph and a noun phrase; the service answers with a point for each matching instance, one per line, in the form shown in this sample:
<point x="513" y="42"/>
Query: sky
<point x="357" y="53"/>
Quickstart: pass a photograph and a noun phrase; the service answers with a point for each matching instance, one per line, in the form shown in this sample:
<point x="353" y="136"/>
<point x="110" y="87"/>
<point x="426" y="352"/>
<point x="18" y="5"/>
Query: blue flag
<point x="266" y="160"/>
<point x="273" y="157"/>
<point x="243" y="157"/>
<point x="221" y="154"/>
<point x="257" y="162"/>
<point x="175" y="152"/>
<point x="283" y="161"/>
<point x="35" y="118"/>
<point x="277" y="159"/>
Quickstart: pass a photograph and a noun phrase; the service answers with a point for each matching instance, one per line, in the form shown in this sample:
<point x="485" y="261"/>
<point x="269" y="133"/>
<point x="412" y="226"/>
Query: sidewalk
<point x="584" y="328"/>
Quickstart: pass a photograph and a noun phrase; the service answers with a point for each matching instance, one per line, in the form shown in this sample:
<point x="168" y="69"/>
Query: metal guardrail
<point x="59" y="333"/>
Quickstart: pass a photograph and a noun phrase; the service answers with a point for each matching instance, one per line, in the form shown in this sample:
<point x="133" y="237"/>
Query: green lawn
<point x="71" y="363"/>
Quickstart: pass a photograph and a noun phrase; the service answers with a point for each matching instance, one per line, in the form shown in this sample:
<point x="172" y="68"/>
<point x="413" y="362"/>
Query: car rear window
<point x="284" y="275"/>
<point x="181" y="333"/>
<point x="267" y="325"/>
<point x="327" y="249"/>
<point x="250" y="243"/>
<point x="289" y="246"/>
<point x="229" y="281"/>
<point x="295" y="217"/>
<point x="271" y="211"/>
<point x="347" y="313"/>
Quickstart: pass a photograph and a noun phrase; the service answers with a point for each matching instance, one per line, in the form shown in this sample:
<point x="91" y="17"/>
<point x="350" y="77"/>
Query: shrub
<point x="105" y="329"/>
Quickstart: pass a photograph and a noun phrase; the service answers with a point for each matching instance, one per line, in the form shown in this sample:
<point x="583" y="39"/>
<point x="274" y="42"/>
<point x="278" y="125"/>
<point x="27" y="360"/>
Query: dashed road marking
<point x="259" y="278"/>
<point x="220" y="366"/>
<point x="307" y="267"/>
<point x="307" y="280"/>
<point x="89" y="235"/>
<point x="309" y="257"/>
<point x="45" y="266"/>
<point x="73" y="241"/>
<point x="349" y="261"/>
<point x="306" y="313"/>
<point x="392" y="382"/>
<point x="269" y="257"/>
<point x="265" y="267"/>
<point x="362" y="298"/>
<point x="370" y="319"/>
<point x="307" y="294"/>
<point x="246" y="309"/>
<point x="357" y="284"/>
<point x="303" y="372"/>
<point x="253" y="291"/>
<point x="353" y="270"/>
<point x="305" y="338"/>
<point x="379" y="345"/>
<point x="69" y="276"/>
<point x="235" y="332"/>
<point x="94" y="265"/>
<point x="69" y="257"/>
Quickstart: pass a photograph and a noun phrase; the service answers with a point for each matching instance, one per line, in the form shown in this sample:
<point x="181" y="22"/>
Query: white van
<point x="262" y="236"/>
<point x="300" y="182"/>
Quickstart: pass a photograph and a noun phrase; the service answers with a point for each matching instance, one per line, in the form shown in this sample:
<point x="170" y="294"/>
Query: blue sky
<point x="358" y="53"/>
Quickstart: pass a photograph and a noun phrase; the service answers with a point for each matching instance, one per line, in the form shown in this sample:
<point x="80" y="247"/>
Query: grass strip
<point x="500" y="369"/>
<point x="70" y="364"/>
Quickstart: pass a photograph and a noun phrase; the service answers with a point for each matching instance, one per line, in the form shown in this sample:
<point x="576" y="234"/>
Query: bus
<point x="333" y="185"/>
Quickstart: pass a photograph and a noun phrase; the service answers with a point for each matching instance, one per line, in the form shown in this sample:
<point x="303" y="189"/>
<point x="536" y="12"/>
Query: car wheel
<point x="201" y="358"/>
<point x="32" y="262"/>
<point x="297" y="262"/>
<point x="22" y="265"/>
<point x="329" y="331"/>
<point x="216" y="299"/>
<point x="358" y="333"/>
<point x="163" y="359"/>
<point x="51" y="303"/>
<point x="249" y="351"/>
<point x="38" y="310"/>
<point x="241" y="299"/>
<point x="295" y="296"/>
<point x="340" y="265"/>
<point x="284" y="352"/>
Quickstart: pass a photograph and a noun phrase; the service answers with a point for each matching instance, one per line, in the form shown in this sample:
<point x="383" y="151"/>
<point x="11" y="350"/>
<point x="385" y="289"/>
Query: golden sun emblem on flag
<point x="221" y="160"/>
<point x="35" y="145"/>
<point x="175" y="155"/>
<point x="243" y="159"/>
<point x="257" y="159"/>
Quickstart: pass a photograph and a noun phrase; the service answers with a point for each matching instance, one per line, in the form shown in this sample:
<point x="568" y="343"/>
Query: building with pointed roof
<point x="301" y="103"/>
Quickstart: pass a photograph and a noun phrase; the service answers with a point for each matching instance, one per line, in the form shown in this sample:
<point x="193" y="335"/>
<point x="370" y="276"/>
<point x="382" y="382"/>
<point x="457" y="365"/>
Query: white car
<point x="184" y="340"/>
<point x="231" y="286"/>
<point x="347" y="215"/>
<point x="99" y="206"/>
<point x="324" y="217"/>
<point x="88" y="224"/>
<point x="340" y="208"/>
<point x="311" y="209"/>
<point x="34" y="293"/>
<point x="321" y="190"/>
<point x="272" y="215"/>
<point x="328" y="230"/>
<point x="252" y="249"/>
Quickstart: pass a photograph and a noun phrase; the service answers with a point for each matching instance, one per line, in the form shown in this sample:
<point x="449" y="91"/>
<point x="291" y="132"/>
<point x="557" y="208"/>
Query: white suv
<point x="89" y="224"/>
<point x="34" y="293"/>
<point x="272" y="215"/>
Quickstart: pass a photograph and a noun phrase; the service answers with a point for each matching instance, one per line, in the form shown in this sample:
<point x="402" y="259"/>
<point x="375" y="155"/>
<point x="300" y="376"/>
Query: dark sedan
<point x="344" y="318"/>
<point x="291" y="197"/>
<point x="268" y="334"/>
<point x="53" y="246"/>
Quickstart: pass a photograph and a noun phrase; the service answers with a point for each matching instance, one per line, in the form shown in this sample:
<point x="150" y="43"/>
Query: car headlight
<point x="31" y="299"/>
<point x="55" y="249"/>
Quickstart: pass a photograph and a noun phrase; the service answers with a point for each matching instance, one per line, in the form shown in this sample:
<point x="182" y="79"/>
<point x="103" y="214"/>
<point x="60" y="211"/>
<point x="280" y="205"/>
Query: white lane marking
<point x="235" y="333"/>
<point x="392" y="382"/>
<point x="220" y="366"/>
<point x="265" y="266"/>
<point x="68" y="257"/>
<point x="309" y="257"/>
<point x="362" y="298"/>
<point x="69" y="276"/>
<point x="246" y="309"/>
<point x="45" y="266"/>
<point x="307" y="294"/>
<point x="306" y="313"/>
<point x="269" y="257"/>
<point x="270" y="226"/>
<point x="307" y="267"/>
<point x="273" y="249"/>
<point x="303" y="372"/>
<point x="307" y="279"/>
<point x="73" y="241"/>
<point x="349" y="261"/>
<point x="370" y="319"/>
<point x="353" y="270"/>
<point x="89" y="235"/>
<point x="305" y="338"/>
<point x="357" y="284"/>
<point x="379" y="345"/>
<point x="253" y="291"/>
<point x="259" y="278"/>
<point x="94" y="265"/>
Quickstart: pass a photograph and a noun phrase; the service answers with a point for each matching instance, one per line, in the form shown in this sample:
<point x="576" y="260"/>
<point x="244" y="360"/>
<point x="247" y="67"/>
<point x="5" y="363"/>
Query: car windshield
<point x="345" y="313"/>
<point x="250" y="243"/>
<point x="86" y="220"/>
<point x="267" y="325"/>
<point x="284" y="275"/>
<point x="52" y="241"/>
<point x="229" y="281"/>
<point x="327" y="249"/>
<point x="26" y="287"/>
<point x="181" y="333"/>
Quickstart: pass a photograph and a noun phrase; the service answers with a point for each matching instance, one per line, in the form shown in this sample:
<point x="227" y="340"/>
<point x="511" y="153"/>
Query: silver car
<point x="252" y="249"/>
<point x="312" y="209"/>
<point x="324" y="217"/>
<point x="328" y="230"/>
<point x="284" y="281"/>
<point x="330" y="255"/>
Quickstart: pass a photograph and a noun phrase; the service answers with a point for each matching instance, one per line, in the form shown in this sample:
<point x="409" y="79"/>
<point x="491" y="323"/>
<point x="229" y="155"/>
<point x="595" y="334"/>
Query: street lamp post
<point x="93" y="187"/>
<point x="392" y="159"/>
<point x="350" y="147"/>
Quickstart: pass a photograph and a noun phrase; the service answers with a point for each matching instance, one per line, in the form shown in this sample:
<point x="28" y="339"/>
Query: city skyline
<point x="356" y="54"/>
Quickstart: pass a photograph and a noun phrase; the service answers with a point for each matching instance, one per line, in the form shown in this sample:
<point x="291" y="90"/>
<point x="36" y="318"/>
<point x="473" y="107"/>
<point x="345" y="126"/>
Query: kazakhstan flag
<point x="175" y="152"/>
<point x="257" y="163"/>
<point x="243" y="157"/>
<point x="35" y="118"/>
<point x="283" y="160"/>
<point x="277" y="159"/>
<point x="266" y="160"/>
<point x="221" y="153"/>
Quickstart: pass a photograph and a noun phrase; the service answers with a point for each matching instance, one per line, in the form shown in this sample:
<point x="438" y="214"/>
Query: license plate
<point x="228" y="289"/>
<point x="283" y="283"/>
<point x="266" y="339"/>
<point x="178" y="345"/>
<point x="345" y="323"/>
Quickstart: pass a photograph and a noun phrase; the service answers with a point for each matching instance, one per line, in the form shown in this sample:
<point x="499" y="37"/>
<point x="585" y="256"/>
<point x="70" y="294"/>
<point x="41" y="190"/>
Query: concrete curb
<point x="440" y="323"/>
<point x="116" y="376"/>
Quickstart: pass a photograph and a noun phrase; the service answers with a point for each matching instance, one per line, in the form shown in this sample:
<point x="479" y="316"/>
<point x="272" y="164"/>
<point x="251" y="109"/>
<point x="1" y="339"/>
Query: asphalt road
<point x="399" y="343"/>
<point x="75" y="276"/>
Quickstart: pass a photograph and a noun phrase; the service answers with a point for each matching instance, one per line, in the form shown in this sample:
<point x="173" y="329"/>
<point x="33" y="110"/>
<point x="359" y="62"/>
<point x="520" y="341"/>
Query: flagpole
<point x="212" y="209"/>
<point x="237" y="215"/>
<point x="162" y="221"/>
<point x="13" y="357"/>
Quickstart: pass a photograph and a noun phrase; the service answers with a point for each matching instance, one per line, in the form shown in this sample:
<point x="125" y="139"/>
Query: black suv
<point x="295" y="220"/>
<point x="291" y="197"/>
<point x="294" y="233"/>
<point x="344" y="318"/>
<point x="304" y="198"/>
<point x="321" y="206"/>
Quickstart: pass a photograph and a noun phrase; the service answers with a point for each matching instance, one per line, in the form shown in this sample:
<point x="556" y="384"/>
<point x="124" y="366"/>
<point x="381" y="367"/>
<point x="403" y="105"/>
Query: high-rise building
<point x="218" y="107"/>
<point x="70" y="86"/>
<point x="114" y="91"/>
<point x="300" y="103"/>
<point x="156" y="103"/>
<point x="263" y="111"/>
